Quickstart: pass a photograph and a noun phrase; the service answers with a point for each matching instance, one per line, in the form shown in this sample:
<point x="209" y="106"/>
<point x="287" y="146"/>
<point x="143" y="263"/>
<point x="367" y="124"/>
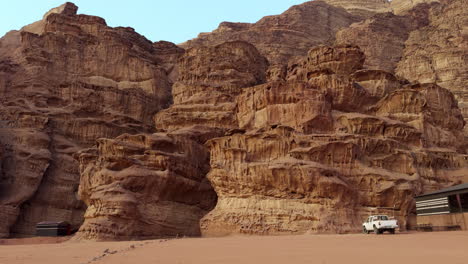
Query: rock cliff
<point x="314" y="152"/>
<point x="66" y="81"/>
<point x="209" y="80"/>
<point x="438" y="52"/>
<point x="313" y="162"/>
<point x="402" y="6"/>
<point x="362" y="8"/>
<point x="146" y="185"/>
<point x="153" y="185"/>
<point x="281" y="37"/>
<point x="383" y="36"/>
<point x="304" y="122"/>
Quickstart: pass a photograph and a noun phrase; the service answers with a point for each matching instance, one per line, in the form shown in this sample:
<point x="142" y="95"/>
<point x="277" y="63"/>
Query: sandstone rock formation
<point x="151" y="185"/>
<point x="143" y="186"/>
<point x="383" y="37"/>
<point x="254" y="129"/>
<point x="425" y="43"/>
<point x="281" y="37"/>
<point x="209" y="80"/>
<point x="66" y="81"/>
<point x="315" y="152"/>
<point x="311" y="163"/>
<point x="362" y="8"/>
<point x="402" y="6"/>
<point x="439" y="52"/>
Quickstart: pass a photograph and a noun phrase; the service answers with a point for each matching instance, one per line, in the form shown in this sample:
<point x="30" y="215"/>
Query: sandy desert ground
<point x="437" y="247"/>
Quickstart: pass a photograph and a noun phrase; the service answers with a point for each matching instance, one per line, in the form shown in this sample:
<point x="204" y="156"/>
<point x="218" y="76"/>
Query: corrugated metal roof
<point x="455" y="188"/>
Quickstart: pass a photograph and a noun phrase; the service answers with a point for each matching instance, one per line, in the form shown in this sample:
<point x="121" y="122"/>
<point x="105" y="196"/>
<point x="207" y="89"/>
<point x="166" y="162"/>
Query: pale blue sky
<point x="171" y="20"/>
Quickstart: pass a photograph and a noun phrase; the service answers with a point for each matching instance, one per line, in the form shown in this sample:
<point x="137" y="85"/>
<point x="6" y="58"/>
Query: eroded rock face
<point x="271" y="104"/>
<point x="403" y="6"/>
<point x="281" y="37"/>
<point x="430" y="108"/>
<point x="327" y="69"/>
<point x="146" y="185"/>
<point x="209" y="80"/>
<point x="66" y="81"/>
<point x="153" y="185"/>
<point x="362" y="8"/>
<point x="217" y="140"/>
<point x="311" y="163"/>
<point x="439" y="52"/>
<point x="382" y="38"/>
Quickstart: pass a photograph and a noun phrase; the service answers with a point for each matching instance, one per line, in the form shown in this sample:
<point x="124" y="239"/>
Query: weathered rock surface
<point x="362" y="8"/>
<point x="309" y="163"/>
<point x="172" y="165"/>
<point x="146" y="185"/>
<point x="383" y="37"/>
<point x="281" y="37"/>
<point x="209" y="80"/>
<point x="425" y="43"/>
<point x="66" y="81"/>
<point x="218" y="140"/>
<point x="439" y="52"/>
<point x="403" y="6"/>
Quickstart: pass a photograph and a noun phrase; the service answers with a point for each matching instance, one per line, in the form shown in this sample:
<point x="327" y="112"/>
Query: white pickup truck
<point x="379" y="224"/>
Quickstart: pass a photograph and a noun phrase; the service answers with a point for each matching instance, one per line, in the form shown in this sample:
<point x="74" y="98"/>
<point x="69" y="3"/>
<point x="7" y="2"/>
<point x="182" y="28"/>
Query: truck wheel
<point x="365" y="231"/>
<point x="376" y="231"/>
<point x="392" y="231"/>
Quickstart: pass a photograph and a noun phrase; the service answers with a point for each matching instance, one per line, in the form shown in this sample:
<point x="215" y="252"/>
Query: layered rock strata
<point x="66" y="81"/>
<point x="315" y="151"/>
<point x="382" y="37"/>
<point x="281" y="37"/>
<point x="403" y="6"/>
<point x="362" y="8"/>
<point x="153" y="185"/>
<point x="438" y="52"/>
<point x="146" y="185"/>
<point x="312" y="141"/>
<point x="210" y="78"/>
<point x="311" y="162"/>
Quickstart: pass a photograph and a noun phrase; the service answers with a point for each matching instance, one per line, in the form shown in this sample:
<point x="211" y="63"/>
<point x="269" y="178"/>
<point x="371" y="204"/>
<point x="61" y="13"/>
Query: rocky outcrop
<point x="325" y="142"/>
<point x="362" y="8"/>
<point x="326" y="69"/>
<point x="143" y="186"/>
<point x="271" y="105"/>
<point x="254" y="129"/>
<point x="153" y="185"/>
<point x="309" y="162"/>
<point x="281" y="37"/>
<point x="66" y="81"/>
<point x="438" y="52"/>
<point x="403" y="6"/>
<point x="209" y="80"/>
<point x="424" y="43"/>
<point x="382" y="38"/>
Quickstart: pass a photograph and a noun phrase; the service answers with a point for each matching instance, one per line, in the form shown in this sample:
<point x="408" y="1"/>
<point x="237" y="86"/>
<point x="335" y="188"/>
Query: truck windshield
<point x="383" y="217"/>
